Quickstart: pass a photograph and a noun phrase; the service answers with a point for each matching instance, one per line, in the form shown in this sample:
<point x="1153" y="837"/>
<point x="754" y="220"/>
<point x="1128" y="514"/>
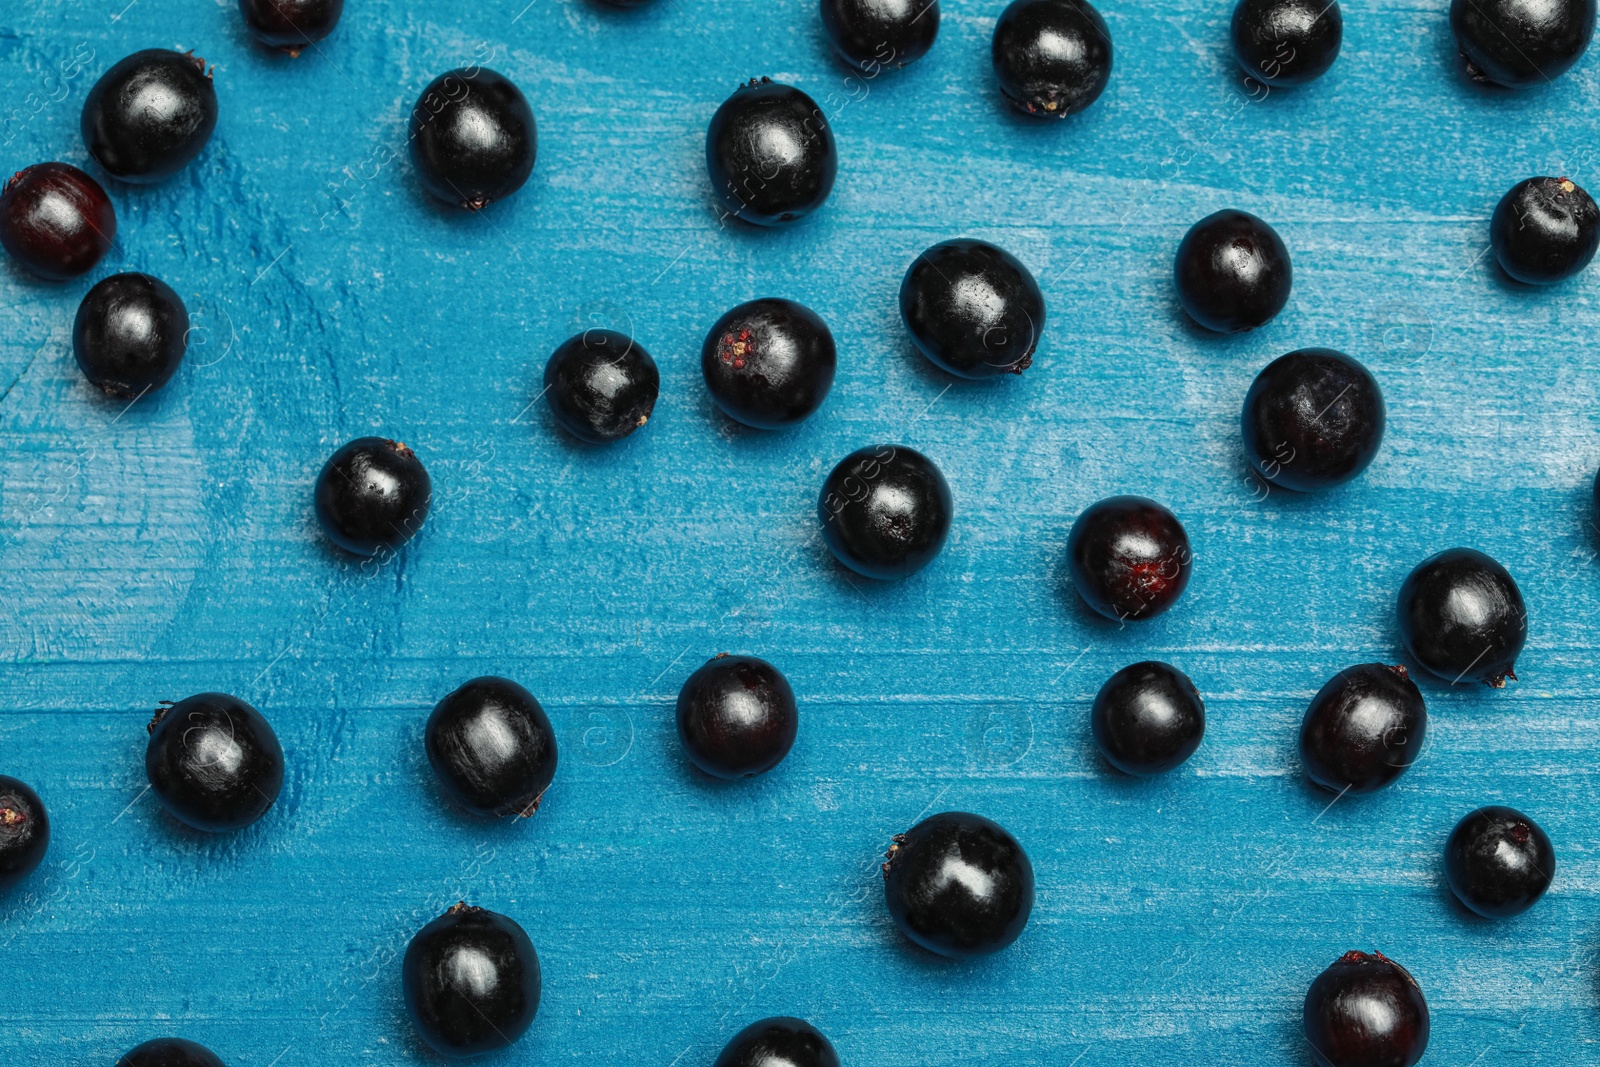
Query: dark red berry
<point x="1363" y="729"/>
<point x="1128" y="557"/>
<point x="56" y="221"/>
<point x="290" y="25"/>
<point x="737" y="716"/>
<point x="1366" y="1011"/>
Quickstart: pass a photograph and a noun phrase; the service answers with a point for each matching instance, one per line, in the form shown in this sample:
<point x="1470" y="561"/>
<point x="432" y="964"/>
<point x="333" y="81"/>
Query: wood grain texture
<point x="169" y="547"/>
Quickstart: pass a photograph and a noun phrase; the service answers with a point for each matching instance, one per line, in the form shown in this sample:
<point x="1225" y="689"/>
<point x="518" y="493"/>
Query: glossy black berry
<point x="1544" y="230"/>
<point x="959" y="885"/>
<point x="769" y="363"/>
<point x="130" y="335"/>
<point x="737" y="716"/>
<point x="24" y="831"/>
<point x="771" y="154"/>
<point x="601" y="385"/>
<point x="1147" y="718"/>
<point x="778" y="1042"/>
<point x="150" y="115"/>
<point x="473" y="137"/>
<point x="1313" y="419"/>
<point x="1286" y="42"/>
<point x="885" y="511"/>
<point x="492" y="747"/>
<point x="170" y="1052"/>
<point x="972" y="309"/>
<point x="372" y="496"/>
<point x="1366" y="1011"/>
<point x="1232" y="272"/>
<point x="875" y="35"/>
<point x="1128" y="557"/>
<point x="1363" y="729"/>
<point x="1462" y="617"/>
<point x="290" y="25"/>
<point x="471" y="982"/>
<point x="56" y="221"/>
<point x="1499" y="862"/>
<point x="213" y="762"/>
<point x="1052" y="57"/>
<point x="1518" y="43"/>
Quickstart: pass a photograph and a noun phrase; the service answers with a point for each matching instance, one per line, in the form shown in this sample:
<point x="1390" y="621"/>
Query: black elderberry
<point x="770" y="153"/>
<point x="372" y="496"/>
<point x="959" y="885"/>
<point x="150" y="115"/>
<point x="1544" y="230"/>
<point x="130" y="334"/>
<point x="972" y="308"/>
<point x="601" y="385"/>
<point x="769" y="363"/>
<point x="471" y="982"/>
<point x="492" y="747"/>
<point x="1052" y="57"/>
<point x="213" y="762"/>
<point x="885" y="511"/>
<point x="473" y="137"/>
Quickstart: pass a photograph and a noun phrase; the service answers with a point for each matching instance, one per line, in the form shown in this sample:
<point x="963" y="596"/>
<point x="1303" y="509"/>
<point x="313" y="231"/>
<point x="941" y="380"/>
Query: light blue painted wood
<point x="169" y="548"/>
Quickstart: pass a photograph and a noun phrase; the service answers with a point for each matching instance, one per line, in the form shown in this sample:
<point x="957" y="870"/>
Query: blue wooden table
<point x="168" y="547"/>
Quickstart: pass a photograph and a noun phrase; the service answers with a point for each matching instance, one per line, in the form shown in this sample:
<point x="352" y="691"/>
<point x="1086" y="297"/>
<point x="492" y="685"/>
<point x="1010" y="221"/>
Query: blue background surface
<point x="169" y="547"/>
